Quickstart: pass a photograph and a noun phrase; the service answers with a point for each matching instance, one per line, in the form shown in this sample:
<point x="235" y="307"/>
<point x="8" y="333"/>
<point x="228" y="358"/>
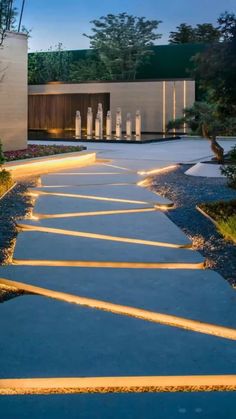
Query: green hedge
<point x="6" y="181"/>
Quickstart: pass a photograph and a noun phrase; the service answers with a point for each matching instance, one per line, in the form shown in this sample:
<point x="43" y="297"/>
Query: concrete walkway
<point x="116" y="292"/>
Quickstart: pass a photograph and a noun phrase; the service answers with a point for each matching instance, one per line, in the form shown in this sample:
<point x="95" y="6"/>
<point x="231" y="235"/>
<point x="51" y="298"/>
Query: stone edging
<point x="46" y="164"/>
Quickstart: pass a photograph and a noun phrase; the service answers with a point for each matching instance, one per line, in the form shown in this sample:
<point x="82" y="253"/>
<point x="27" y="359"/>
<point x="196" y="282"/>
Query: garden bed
<point x="16" y="204"/>
<point x="40" y="151"/>
<point x="187" y="192"/>
<point x="223" y="214"/>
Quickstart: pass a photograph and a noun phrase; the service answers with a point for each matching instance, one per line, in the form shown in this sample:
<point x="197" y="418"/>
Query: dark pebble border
<point x="188" y="191"/>
<point x="13" y="206"/>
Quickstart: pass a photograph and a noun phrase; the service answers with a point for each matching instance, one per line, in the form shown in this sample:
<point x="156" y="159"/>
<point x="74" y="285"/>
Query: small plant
<point x="6" y="180"/>
<point x="230" y="172"/>
<point x="228" y="228"/>
<point x="2" y="158"/>
<point x="232" y="154"/>
<point x="223" y="213"/>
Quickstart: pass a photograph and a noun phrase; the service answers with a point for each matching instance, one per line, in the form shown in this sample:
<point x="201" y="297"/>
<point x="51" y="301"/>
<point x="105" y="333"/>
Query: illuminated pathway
<point x="116" y="301"/>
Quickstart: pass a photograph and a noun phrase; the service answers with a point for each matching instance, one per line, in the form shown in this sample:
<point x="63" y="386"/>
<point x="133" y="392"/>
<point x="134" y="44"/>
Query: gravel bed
<point x="188" y="191"/>
<point x="13" y="206"/>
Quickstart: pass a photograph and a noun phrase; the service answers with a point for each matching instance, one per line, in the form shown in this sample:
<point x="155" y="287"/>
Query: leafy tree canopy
<point x="123" y="42"/>
<point x="215" y="68"/>
<point x="52" y="65"/>
<point x="202" y="33"/>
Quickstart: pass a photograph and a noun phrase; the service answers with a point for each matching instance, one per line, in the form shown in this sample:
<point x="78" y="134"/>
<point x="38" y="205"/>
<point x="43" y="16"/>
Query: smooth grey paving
<point x="117" y="406"/>
<point x="87" y="180"/>
<point x="128" y="192"/>
<point x="50" y="204"/>
<point x="155" y="226"/>
<point x="41" y="245"/>
<point x="98" y="168"/>
<point x="199" y="295"/>
<point x="138" y="164"/>
<point x="48" y="338"/>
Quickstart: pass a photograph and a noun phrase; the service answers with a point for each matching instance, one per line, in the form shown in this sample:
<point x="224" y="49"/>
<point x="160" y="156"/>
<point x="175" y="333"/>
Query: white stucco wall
<point x="158" y="101"/>
<point x="13" y="92"/>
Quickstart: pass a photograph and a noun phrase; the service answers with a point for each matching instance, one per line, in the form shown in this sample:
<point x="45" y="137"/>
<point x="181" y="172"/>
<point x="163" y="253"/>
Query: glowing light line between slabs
<point x="96" y="236"/>
<point x="138" y="384"/>
<point x="91" y="214"/>
<point x="142" y="314"/>
<point x="108" y="264"/>
<point x="92" y="197"/>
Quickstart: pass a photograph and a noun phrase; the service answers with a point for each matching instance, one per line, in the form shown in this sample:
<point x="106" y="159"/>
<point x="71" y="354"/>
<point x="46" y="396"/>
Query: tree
<point x="90" y="68"/>
<point x="206" y="33"/>
<point x="227" y="23"/>
<point x="8" y="15"/>
<point x="202" y="33"/>
<point x="215" y="68"/>
<point x="52" y="65"/>
<point x="206" y="120"/>
<point x="183" y="35"/>
<point x="123" y="42"/>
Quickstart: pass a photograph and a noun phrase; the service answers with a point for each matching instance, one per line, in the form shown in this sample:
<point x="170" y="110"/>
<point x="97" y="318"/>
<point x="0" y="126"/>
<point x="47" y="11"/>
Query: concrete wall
<point x="13" y="92"/>
<point x="158" y="101"/>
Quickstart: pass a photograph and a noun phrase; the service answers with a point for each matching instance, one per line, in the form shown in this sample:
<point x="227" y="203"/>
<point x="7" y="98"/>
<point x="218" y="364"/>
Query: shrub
<point x="232" y="154"/>
<point x="230" y="172"/>
<point x="6" y="181"/>
<point x="2" y="158"/>
<point x="220" y="210"/>
<point x="228" y="228"/>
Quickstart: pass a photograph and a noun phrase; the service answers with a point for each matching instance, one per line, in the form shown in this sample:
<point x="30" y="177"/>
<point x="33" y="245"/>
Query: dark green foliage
<point x="89" y="68"/>
<point x="215" y="69"/>
<point x="165" y="62"/>
<point x="5" y="181"/>
<point x="53" y="65"/>
<point x="224" y="214"/>
<point x="207" y="120"/>
<point x="2" y="158"/>
<point x="123" y="42"/>
<point x="202" y="33"/>
<point x="232" y="154"/>
<point x="220" y="209"/>
<point x="230" y="172"/>
<point x="7" y="15"/>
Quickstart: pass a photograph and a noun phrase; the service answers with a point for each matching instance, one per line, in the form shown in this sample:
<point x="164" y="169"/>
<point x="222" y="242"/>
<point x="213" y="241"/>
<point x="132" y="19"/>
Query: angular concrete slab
<point x="149" y="226"/>
<point x="56" y="339"/>
<point x="87" y="180"/>
<point x="199" y="295"/>
<point x="98" y="168"/>
<point x="49" y="246"/>
<point x="51" y="204"/>
<point x="140" y="164"/>
<point x="205" y="170"/>
<point x="126" y="406"/>
<point x="120" y="192"/>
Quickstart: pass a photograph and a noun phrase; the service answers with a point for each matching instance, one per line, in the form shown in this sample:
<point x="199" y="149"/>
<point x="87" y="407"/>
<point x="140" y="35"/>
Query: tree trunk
<point x="215" y="146"/>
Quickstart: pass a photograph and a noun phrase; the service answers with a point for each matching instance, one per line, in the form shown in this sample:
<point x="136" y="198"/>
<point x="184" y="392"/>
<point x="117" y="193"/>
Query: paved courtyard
<point x="115" y="291"/>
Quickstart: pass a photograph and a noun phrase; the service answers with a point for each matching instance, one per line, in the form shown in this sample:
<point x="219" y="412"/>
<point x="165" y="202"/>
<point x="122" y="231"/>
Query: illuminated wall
<point x="13" y="91"/>
<point x="158" y="101"/>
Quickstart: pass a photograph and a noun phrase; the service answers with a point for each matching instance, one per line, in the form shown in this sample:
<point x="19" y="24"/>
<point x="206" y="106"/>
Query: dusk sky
<point x="54" y="21"/>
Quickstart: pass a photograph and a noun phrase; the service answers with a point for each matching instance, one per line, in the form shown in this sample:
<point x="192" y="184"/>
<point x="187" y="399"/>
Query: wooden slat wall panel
<point x="47" y="112"/>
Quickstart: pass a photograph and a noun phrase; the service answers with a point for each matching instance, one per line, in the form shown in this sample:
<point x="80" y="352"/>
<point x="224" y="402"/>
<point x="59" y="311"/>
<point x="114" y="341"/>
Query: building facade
<point x="13" y="91"/>
<point x="53" y="105"/>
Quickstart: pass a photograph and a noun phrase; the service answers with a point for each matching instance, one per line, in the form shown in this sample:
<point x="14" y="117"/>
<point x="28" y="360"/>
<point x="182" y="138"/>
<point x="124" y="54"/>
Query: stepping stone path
<point x="116" y="301"/>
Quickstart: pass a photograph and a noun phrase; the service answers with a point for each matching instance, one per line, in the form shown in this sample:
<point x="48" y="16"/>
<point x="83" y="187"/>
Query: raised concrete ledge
<point x="47" y="164"/>
<point x="205" y="170"/>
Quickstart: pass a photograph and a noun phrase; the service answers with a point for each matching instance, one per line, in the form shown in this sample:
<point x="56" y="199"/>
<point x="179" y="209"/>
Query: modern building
<point x="162" y="90"/>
